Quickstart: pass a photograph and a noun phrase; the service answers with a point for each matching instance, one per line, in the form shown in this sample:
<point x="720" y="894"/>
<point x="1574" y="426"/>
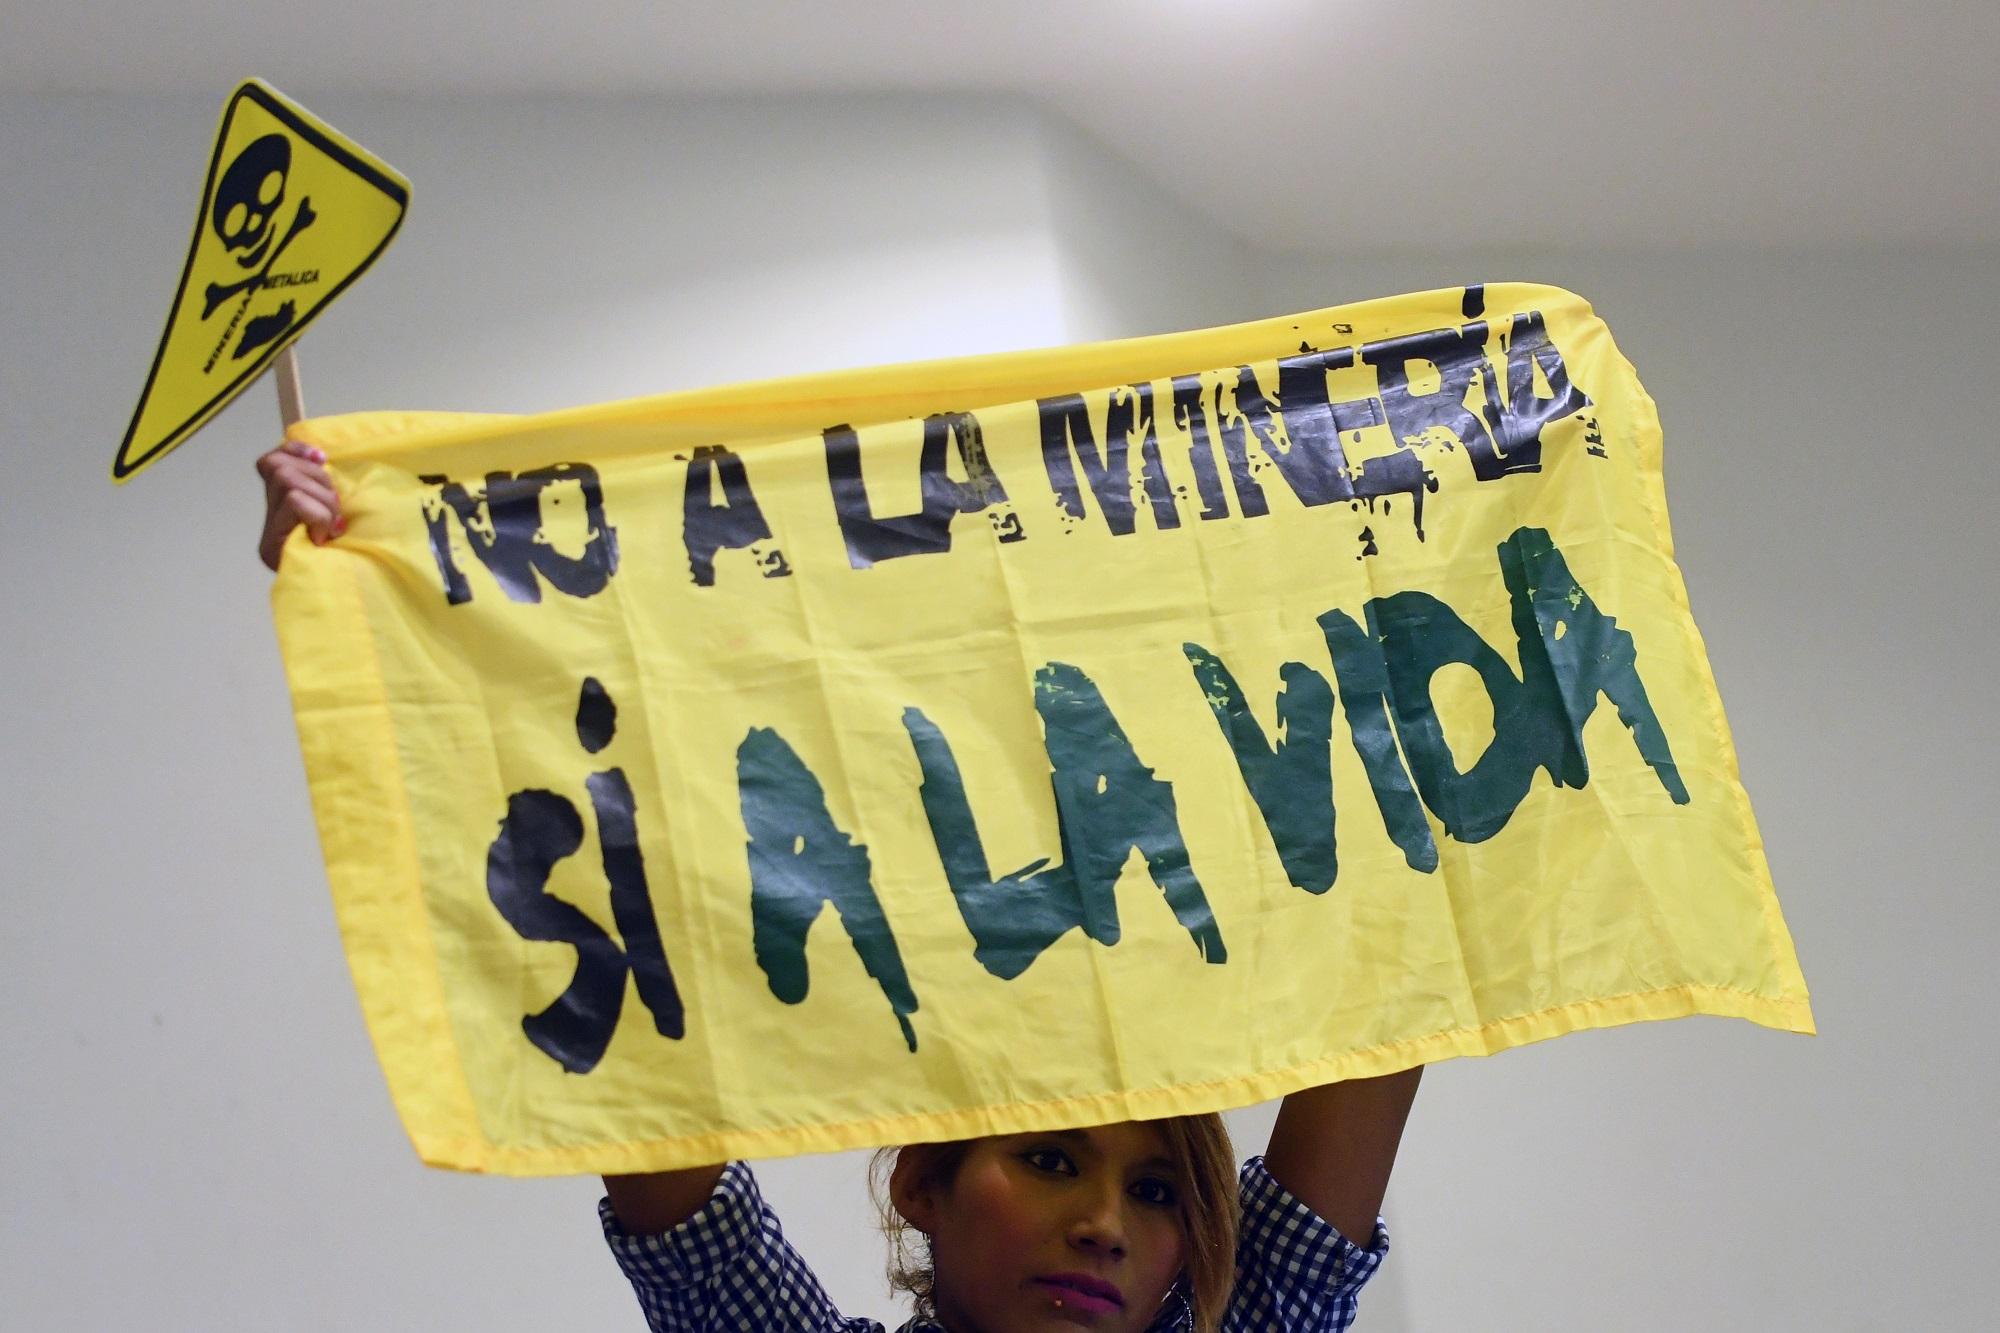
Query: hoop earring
<point x="1184" y="1321"/>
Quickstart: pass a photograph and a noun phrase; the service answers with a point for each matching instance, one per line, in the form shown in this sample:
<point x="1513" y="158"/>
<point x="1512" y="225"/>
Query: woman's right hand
<point x="297" y="490"/>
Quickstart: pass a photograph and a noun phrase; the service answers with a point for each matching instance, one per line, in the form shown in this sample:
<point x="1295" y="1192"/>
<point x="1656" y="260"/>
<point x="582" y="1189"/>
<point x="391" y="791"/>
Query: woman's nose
<point x="1099" y="1224"/>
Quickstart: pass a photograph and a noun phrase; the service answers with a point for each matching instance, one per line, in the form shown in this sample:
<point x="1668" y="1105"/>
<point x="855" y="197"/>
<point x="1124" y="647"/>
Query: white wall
<point x="198" y="1137"/>
<point x="1132" y="259"/>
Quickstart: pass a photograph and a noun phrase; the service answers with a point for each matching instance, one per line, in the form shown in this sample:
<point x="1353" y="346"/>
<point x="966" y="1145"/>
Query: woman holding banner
<point x="1125" y="1228"/>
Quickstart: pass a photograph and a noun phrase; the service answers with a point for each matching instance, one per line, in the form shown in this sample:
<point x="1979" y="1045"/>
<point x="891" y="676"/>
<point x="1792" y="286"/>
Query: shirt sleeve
<point x="1294" y="1272"/>
<point x="728" y="1267"/>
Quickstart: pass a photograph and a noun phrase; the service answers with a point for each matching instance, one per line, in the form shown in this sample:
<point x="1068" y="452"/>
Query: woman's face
<point x="1074" y="1229"/>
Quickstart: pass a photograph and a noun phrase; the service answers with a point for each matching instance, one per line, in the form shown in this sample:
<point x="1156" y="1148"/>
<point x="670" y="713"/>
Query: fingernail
<point x="340" y="525"/>
<point x="318" y="456"/>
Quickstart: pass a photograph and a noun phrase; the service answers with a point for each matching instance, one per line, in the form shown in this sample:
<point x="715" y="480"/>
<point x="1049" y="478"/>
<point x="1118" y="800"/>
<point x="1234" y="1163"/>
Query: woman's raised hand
<point x="297" y="490"/>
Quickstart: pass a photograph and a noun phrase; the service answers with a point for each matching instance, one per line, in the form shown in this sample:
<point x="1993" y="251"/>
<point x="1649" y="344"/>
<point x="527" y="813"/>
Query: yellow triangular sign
<point x="292" y="213"/>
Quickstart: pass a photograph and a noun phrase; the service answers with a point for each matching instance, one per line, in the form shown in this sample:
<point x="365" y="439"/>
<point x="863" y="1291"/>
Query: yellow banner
<point x="1021" y="741"/>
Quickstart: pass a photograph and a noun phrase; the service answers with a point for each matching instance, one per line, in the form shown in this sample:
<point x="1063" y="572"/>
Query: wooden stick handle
<point x="291" y="398"/>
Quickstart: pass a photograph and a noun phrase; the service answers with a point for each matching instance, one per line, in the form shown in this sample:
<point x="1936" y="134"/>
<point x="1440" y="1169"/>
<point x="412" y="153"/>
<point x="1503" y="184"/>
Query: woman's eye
<point x="1157" y="1192"/>
<point x="1052" y="1160"/>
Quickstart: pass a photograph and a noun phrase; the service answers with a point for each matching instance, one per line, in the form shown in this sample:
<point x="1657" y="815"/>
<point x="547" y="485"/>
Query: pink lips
<point x="1090" y="1294"/>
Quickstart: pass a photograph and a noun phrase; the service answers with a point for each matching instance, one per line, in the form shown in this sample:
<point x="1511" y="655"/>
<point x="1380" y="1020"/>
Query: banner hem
<point x="457" y="1153"/>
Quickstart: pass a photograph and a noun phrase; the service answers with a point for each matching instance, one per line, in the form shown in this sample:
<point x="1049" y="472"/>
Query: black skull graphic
<point x="248" y="198"/>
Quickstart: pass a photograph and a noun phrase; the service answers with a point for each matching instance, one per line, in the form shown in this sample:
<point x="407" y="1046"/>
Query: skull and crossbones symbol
<point x="246" y="202"/>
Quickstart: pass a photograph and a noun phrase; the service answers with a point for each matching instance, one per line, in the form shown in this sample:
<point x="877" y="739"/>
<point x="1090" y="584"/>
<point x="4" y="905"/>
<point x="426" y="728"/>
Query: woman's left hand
<point x="297" y="490"/>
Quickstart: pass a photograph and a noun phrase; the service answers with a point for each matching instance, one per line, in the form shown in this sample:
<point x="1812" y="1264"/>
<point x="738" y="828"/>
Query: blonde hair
<point x="1198" y="1145"/>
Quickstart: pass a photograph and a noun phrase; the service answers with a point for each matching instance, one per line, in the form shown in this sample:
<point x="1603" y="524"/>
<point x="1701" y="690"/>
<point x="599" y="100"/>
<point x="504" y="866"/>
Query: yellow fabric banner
<point x="1019" y="741"/>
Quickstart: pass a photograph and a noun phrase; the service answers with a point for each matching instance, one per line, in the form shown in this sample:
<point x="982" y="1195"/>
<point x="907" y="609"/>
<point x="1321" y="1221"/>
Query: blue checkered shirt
<point x="729" y="1269"/>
